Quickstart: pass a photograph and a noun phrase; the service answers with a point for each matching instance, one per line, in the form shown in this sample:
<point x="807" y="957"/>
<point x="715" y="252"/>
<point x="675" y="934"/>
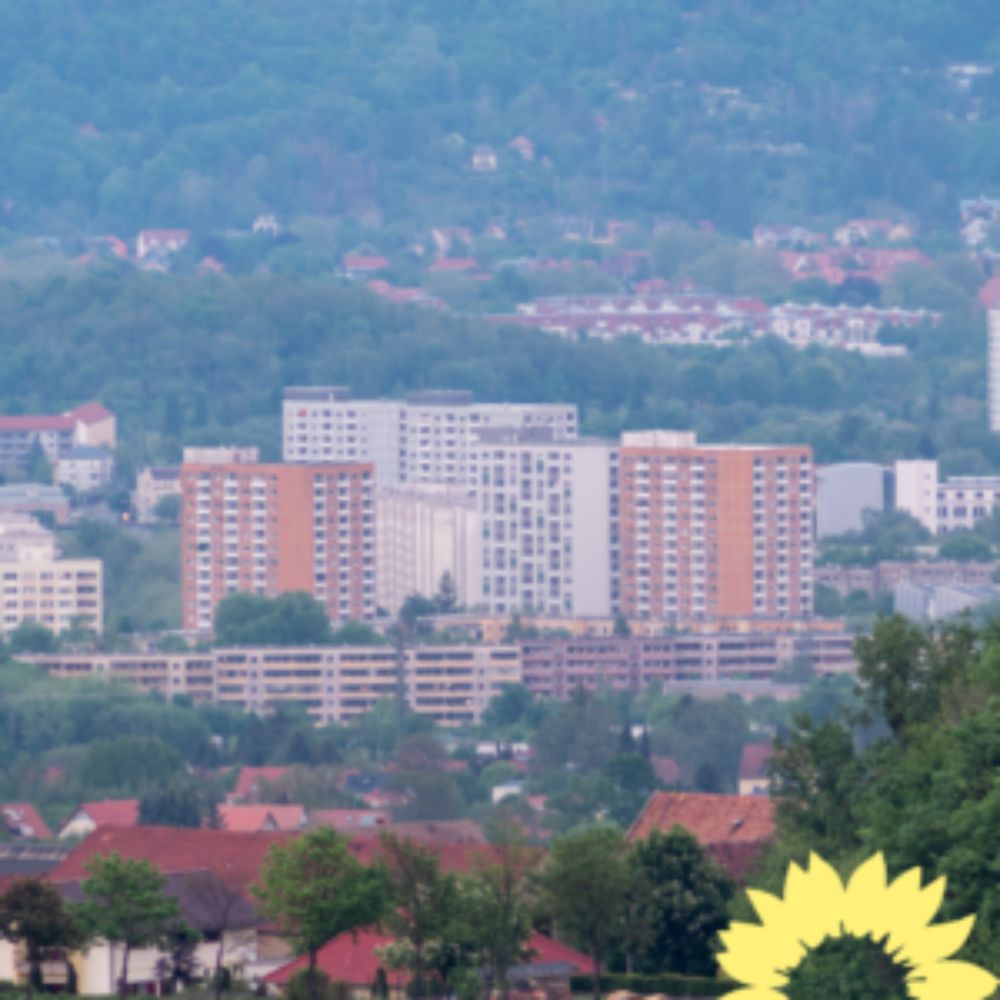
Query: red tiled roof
<point x="439" y="833"/>
<point x="22" y="819"/>
<point x="232" y="856"/>
<point x="89" y="413"/>
<point x="113" y="812"/>
<point x="349" y="820"/>
<point x="164" y="235"/>
<point x="251" y="818"/>
<point x="352" y="957"/>
<point x="235" y="858"/>
<point x="755" y="757"/>
<point x="250" y="778"/>
<point x="36" y="422"/>
<point x="713" y="819"/>
<point x="455" y="264"/>
<point x="364" y="262"/>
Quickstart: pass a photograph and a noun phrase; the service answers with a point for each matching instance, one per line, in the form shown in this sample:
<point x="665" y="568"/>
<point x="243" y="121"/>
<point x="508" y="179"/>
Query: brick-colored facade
<point x="269" y="529"/>
<point x="714" y="531"/>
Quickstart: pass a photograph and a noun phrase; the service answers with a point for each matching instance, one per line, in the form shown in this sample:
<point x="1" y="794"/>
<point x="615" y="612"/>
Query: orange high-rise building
<point x="270" y="528"/>
<point x="715" y="531"/>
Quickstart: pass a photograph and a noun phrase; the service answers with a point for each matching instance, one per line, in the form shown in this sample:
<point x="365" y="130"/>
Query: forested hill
<point x="204" y="113"/>
<point x="186" y="360"/>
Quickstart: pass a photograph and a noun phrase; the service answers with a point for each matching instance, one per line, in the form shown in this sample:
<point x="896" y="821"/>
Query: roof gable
<point x="712" y="819"/>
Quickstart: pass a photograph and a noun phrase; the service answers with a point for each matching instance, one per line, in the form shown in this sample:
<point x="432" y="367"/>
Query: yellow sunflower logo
<point x="817" y="906"/>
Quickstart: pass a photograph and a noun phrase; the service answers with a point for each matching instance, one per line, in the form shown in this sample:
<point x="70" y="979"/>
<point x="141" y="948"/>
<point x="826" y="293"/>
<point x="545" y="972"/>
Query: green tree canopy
<point x="314" y="889"/>
<point x="32" y="914"/>
<point x="584" y="884"/>
<point x="292" y="619"/>
<point x="125" y="903"/>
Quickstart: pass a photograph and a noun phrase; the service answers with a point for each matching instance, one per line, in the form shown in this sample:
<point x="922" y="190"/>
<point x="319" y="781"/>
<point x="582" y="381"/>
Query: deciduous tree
<point x="315" y="889"/>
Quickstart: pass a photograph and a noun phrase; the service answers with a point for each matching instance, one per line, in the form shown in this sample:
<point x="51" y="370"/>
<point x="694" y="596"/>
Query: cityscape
<point x="500" y="501"/>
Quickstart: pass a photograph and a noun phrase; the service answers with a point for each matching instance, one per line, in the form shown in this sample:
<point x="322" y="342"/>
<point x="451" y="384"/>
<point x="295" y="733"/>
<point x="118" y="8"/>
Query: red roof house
<point x="353" y="957"/>
<point x="455" y="265"/>
<point x="250" y="782"/>
<point x="254" y="818"/>
<point x="21" y="819"/>
<point x="108" y="812"/>
<point x="357" y="263"/>
<point x="235" y="858"/>
<point x="732" y="828"/>
<point x="754" y="777"/>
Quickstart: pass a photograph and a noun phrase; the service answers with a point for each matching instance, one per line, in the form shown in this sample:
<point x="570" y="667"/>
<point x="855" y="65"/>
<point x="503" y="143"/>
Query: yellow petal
<point x="756" y="955"/>
<point x="935" y="944"/>
<point x="754" y="993"/>
<point x="865" y="903"/>
<point x="951" y="980"/>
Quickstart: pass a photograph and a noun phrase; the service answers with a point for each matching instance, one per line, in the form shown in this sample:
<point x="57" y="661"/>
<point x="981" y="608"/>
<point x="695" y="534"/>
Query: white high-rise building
<point x="549" y="512"/>
<point x="917" y="490"/>
<point x="424" y="438"/>
<point x="425" y="532"/>
<point x="993" y="369"/>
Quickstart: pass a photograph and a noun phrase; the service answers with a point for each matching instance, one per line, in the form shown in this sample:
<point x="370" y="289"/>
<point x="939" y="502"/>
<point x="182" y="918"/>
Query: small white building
<point x="84" y="469"/>
<point x="152" y="484"/>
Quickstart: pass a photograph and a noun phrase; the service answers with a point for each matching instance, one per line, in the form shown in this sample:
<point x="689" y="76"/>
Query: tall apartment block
<point x="425" y="532"/>
<point x="715" y="530"/>
<point x="269" y="529"/>
<point x="549" y="522"/>
<point x="424" y="438"/>
<point x="993" y="368"/>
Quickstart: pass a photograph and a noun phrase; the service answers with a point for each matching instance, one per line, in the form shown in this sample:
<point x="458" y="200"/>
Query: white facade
<point x="423" y="533"/>
<point x="38" y="586"/>
<point x="425" y="438"/>
<point x="993" y="369"/>
<point x="964" y="500"/>
<point x="917" y="490"/>
<point x="549" y="523"/>
<point x="84" y="469"/>
<point x="943" y="506"/>
<point x="152" y="484"/>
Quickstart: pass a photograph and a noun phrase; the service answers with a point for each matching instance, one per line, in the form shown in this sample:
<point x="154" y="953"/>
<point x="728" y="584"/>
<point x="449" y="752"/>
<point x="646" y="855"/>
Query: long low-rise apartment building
<point x="450" y="684"/>
<point x="555" y="667"/>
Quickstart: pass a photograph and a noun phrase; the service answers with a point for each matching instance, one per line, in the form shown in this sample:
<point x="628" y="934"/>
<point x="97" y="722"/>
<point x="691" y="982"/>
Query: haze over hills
<point x="119" y="116"/>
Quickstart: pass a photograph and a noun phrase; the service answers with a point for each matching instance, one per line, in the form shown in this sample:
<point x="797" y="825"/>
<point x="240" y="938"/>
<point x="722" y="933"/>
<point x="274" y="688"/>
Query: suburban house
<point x="754" y="777"/>
<point x="21" y="820"/>
<point x="251" y="781"/>
<point x="257" y="818"/>
<point x="211" y="874"/>
<point x="524" y="147"/>
<point x="484" y="159"/>
<point x="57" y="435"/>
<point x="859" y="232"/>
<point x="160" y="243"/>
<point x="733" y="829"/>
<point x="108" y="812"/>
<point x="356" y="958"/>
<point x="152" y="484"/>
<point x="84" y="468"/>
<point x="364" y="262"/>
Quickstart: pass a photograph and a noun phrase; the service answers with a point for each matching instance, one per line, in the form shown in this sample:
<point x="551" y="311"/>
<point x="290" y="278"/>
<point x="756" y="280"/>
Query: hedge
<point x="670" y="984"/>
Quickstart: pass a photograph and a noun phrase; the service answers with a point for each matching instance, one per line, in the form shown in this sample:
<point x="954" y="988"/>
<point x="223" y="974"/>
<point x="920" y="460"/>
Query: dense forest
<point x="204" y="360"/>
<point x="203" y="114"/>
